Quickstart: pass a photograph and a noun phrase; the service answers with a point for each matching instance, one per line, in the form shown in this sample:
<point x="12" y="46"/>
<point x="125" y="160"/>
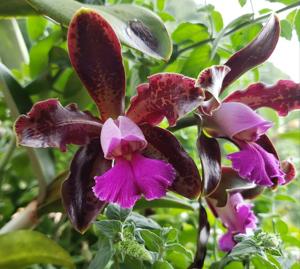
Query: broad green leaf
<point x="286" y="198"/>
<point x="115" y="212"/>
<point x="261" y="262"/>
<point x="36" y="26"/>
<point x="286" y="29"/>
<point x="104" y="253"/>
<point x="152" y="241"/>
<point x="228" y="27"/>
<point x="242" y="2"/>
<point x="109" y="228"/>
<point x="162" y="265"/>
<point x="142" y="222"/>
<point x="136" y="27"/>
<point x="190" y="31"/>
<point x="218" y="20"/>
<point x="22" y="248"/>
<point x="39" y="53"/>
<point x="234" y="265"/>
<point x="176" y="247"/>
<point x="244" y="36"/>
<point x="197" y="61"/>
<point x="166" y="202"/>
<point x="281" y="227"/>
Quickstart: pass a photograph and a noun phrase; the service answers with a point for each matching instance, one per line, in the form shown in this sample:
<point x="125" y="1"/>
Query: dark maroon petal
<point x="78" y="198"/>
<point x="265" y="142"/>
<point x="49" y="124"/>
<point x="231" y="182"/>
<point x="210" y="155"/>
<point x="95" y="53"/>
<point x="257" y="52"/>
<point x="283" y="97"/>
<point x="289" y="169"/>
<point x="164" y="145"/>
<point x="166" y="95"/>
<point x="203" y="235"/>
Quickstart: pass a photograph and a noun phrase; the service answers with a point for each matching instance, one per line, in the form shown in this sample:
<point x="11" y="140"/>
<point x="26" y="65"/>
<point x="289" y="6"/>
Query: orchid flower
<point x="257" y="163"/>
<point x="121" y="158"/>
<point x="237" y="217"/>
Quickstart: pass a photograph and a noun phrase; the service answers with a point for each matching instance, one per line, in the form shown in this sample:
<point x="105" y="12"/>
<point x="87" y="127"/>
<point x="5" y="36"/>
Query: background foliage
<point x="34" y="50"/>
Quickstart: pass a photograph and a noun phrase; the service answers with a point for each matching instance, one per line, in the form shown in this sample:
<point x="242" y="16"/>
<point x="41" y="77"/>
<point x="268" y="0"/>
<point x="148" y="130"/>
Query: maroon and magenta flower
<point x="121" y="157"/>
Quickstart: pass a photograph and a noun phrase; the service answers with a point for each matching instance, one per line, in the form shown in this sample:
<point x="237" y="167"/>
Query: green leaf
<point x="281" y="227"/>
<point x="190" y="31"/>
<point x="136" y="27"/>
<point x="142" y="222"/>
<point x="104" y="253"/>
<point x="115" y="212"/>
<point x="39" y="53"/>
<point x="242" y="2"/>
<point x="36" y="27"/>
<point x="297" y="23"/>
<point x="197" y="61"/>
<point x="162" y="265"/>
<point x="228" y="27"/>
<point x="176" y="247"/>
<point x="152" y="241"/>
<point x="23" y="248"/>
<point x="261" y="262"/>
<point x="286" y="29"/>
<point x="109" y="228"/>
<point x="234" y="265"/>
<point x="218" y="20"/>
<point x="166" y="202"/>
<point x="244" y="36"/>
<point x="287" y="198"/>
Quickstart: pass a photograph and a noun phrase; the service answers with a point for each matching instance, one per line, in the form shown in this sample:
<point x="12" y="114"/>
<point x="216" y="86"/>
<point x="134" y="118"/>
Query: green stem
<point x="9" y="151"/>
<point x="183" y="123"/>
<point x="215" y="249"/>
<point x="242" y="25"/>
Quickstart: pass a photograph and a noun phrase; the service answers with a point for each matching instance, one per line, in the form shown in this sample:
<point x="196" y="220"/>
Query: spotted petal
<point x="166" y="95"/>
<point x="283" y="97"/>
<point x="95" y="53"/>
<point x="49" y="124"/>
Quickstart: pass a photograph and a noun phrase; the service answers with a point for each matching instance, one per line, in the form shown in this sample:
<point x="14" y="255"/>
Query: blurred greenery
<point x="166" y="236"/>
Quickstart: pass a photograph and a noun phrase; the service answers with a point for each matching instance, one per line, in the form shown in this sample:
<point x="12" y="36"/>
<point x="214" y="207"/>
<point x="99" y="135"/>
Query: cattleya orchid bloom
<point x="257" y="164"/>
<point x="121" y="158"/>
<point x="237" y="217"/>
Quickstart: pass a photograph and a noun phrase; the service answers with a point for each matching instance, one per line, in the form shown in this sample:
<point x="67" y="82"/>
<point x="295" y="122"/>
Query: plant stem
<point x="235" y="29"/>
<point x="183" y="123"/>
<point x="9" y="151"/>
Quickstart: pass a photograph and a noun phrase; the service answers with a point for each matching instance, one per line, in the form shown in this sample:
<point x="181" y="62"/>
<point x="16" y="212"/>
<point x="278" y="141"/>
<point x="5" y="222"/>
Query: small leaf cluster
<point x="134" y="241"/>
